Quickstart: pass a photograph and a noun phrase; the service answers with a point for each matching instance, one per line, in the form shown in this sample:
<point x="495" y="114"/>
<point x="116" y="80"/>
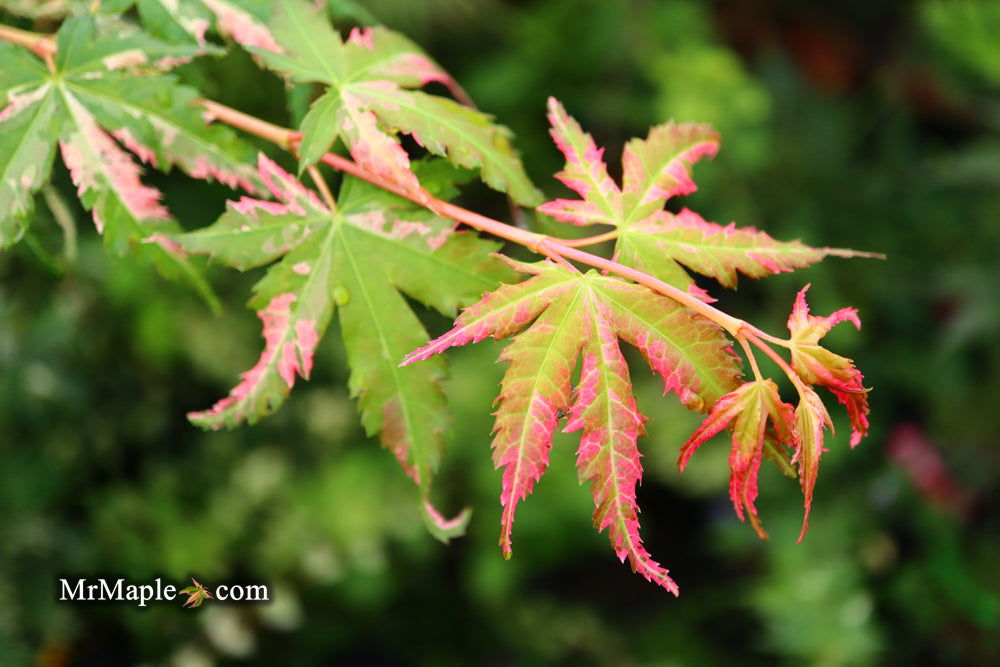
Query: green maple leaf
<point x="650" y="239"/>
<point x="565" y="315"/>
<point x="59" y="9"/>
<point x="359" y="261"/>
<point x="370" y="95"/>
<point x="176" y="20"/>
<point x="187" y="21"/>
<point x="94" y="107"/>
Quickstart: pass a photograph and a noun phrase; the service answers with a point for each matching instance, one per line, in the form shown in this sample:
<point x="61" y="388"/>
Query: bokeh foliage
<point x="869" y="125"/>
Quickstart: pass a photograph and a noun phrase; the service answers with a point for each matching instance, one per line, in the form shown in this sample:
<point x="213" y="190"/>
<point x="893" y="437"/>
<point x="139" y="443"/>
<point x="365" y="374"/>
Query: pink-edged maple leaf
<point x="811" y="418"/>
<point x="817" y="365"/>
<point x="535" y="390"/>
<point x="289" y="343"/>
<point x="387" y="55"/>
<point x="563" y="315"/>
<point x="746" y="412"/>
<point x="357" y="260"/>
<point x="238" y="20"/>
<point x="107" y="92"/>
<point x="371" y="96"/>
<point x="609" y="421"/>
<point x="650" y="239"/>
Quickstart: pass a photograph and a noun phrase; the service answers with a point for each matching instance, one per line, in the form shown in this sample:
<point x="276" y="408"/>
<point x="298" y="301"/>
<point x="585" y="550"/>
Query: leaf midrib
<point x="46" y="99"/>
<point x="317" y="55"/>
<point x="205" y="145"/>
<point x="416" y="444"/>
<point x="605" y="202"/>
<point x="683" y="350"/>
<point x="609" y="448"/>
<point x="497" y="161"/>
<point x="522" y="441"/>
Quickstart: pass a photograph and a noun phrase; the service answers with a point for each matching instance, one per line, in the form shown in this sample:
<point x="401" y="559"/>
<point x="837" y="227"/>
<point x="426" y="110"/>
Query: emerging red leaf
<point x="817" y="365"/>
<point x="811" y="418"/>
<point x="746" y="412"/>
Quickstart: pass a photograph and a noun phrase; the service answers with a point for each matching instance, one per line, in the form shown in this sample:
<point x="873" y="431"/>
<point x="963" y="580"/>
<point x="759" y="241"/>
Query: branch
<point x="557" y="249"/>
<point x="560" y="250"/>
<point x="276" y="134"/>
<point x="540" y="243"/>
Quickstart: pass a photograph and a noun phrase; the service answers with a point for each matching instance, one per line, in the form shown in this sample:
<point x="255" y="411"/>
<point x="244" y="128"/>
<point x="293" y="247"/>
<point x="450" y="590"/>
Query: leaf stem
<point x="43" y="46"/>
<point x="590" y="240"/>
<point x="323" y="188"/>
<point x="276" y="134"/>
<point x="783" y="342"/>
<point x="847" y="252"/>
<point x="776" y="358"/>
<point x="750" y="358"/>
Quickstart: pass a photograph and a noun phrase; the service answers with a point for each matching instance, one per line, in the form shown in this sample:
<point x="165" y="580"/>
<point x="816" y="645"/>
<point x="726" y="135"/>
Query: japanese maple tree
<point x="100" y="90"/>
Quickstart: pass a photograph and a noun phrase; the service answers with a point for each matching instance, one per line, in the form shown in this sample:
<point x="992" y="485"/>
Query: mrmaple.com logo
<point x="118" y="590"/>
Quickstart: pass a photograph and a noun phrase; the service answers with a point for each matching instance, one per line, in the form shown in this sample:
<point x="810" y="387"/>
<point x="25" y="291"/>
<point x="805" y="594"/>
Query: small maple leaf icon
<point x="196" y="594"/>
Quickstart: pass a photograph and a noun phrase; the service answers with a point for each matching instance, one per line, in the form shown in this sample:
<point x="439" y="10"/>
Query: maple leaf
<point x="196" y="594"/>
<point x="176" y="20"/>
<point x="60" y="9"/>
<point x="357" y="261"/>
<point x="817" y="365"/>
<point x="369" y="96"/>
<point x="650" y="239"/>
<point x="245" y="21"/>
<point x="563" y="315"/>
<point x="811" y="418"/>
<point x="39" y="9"/>
<point x="746" y="412"/>
<point x="91" y="106"/>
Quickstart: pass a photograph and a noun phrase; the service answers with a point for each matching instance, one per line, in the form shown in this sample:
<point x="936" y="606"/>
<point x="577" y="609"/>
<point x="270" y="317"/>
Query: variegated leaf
<point x="817" y="365"/>
<point x="745" y="412"/>
<point x="29" y="127"/>
<point x="564" y="314"/>
<point x="368" y="101"/>
<point x="811" y="418"/>
<point x="175" y="20"/>
<point x="360" y="261"/>
<point x="650" y="239"/>
<point x="93" y="104"/>
<point x="605" y="413"/>
<point x="245" y="21"/>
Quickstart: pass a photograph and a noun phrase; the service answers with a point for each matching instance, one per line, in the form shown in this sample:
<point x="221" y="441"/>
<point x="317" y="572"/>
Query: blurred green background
<point x="872" y="125"/>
